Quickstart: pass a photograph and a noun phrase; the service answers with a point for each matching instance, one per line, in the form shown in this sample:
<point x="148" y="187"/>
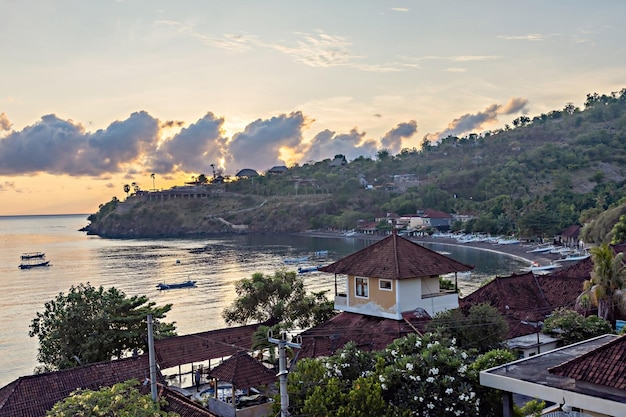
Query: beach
<point x="518" y="250"/>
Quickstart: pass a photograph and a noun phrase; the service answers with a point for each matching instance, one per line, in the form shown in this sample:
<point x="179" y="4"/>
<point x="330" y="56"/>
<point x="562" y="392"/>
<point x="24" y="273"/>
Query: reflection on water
<point x="136" y="266"/>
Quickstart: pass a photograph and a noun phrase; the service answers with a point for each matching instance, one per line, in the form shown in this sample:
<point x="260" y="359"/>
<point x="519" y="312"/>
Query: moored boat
<point x="184" y="284"/>
<point x="33" y="255"/>
<point x="33" y="260"/>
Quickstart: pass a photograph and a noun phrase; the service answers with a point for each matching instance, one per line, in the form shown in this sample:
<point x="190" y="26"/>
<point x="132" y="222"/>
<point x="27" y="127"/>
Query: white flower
<point x="430" y="379"/>
<point x="434" y="371"/>
<point x="418" y="343"/>
<point x="381" y="378"/>
<point x="430" y="405"/>
<point x="462" y="369"/>
<point x="464" y="355"/>
<point x="383" y="386"/>
<point x="453" y="341"/>
<point x="409" y="366"/>
<point x="449" y="391"/>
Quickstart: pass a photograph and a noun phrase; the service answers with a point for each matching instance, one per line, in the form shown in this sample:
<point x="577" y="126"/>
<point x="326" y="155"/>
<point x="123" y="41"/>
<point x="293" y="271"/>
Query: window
<point x="384" y="284"/>
<point x="362" y="287"/>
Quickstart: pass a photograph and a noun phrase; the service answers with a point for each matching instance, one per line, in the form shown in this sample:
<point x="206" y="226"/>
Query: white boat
<point x="535" y="268"/>
<point x="573" y="258"/>
<point x="541" y="249"/>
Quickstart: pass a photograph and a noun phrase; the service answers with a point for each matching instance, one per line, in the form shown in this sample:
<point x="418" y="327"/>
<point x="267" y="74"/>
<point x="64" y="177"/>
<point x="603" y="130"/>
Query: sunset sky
<point x="98" y="94"/>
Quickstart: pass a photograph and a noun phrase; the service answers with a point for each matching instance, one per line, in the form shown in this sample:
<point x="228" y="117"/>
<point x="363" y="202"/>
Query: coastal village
<point x="393" y="290"/>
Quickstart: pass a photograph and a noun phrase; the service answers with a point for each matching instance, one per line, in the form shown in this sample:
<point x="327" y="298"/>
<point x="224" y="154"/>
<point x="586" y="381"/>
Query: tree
<point x="126" y="189"/>
<point x="483" y="328"/>
<point x="605" y="288"/>
<point x="89" y="325"/>
<point x="123" y="399"/>
<point x="202" y="179"/>
<point x="619" y="231"/>
<point x="574" y="327"/>
<point x="278" y="298"/>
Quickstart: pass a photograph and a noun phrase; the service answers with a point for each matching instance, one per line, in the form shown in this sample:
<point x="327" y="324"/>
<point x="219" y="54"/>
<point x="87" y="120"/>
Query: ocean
<point x="136" y="266"/>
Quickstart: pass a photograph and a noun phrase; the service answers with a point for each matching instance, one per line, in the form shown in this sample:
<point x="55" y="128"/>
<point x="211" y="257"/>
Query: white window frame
<point x="380" y="285"/>
<point x="365" y="283"/>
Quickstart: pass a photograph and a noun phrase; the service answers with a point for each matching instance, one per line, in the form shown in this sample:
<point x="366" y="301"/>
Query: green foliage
<point x="104" y="210"/>
<point x="532" y="408"/>
<point x="605" y="289"/>
<point x="278" y="298"/>
<point x="120" y="400"/>
<point x="415" y="375"/>
<point x="89" y="325"/>
<point x="483" y="328"/>
<point x="490" y="399"/>
<point x="574" y="327"/>
<point x="619" y="231"/>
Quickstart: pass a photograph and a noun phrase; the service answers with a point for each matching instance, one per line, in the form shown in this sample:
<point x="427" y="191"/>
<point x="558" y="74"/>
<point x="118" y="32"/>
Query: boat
<point x="573" y="258"/>
<point x="33" y="260"/>
<point x="184" y="284"/>
<point x="296" y="260"/>
<point x="305" y="269"/>
<point x="28" y="264"/>
<point x="537" y="269"/>
<point x="541" y="249"/>
<point x="33" y="255"/>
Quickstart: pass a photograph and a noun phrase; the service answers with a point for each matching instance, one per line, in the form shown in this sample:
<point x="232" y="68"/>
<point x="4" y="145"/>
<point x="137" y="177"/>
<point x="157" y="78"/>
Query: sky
<point x="98" y="94"/>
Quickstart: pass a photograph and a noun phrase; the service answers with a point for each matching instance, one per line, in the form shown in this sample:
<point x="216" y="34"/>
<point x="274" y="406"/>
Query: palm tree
<point x="126" y="189"/>
<point x="153" y="186"/>
<point x="605" y="288"/>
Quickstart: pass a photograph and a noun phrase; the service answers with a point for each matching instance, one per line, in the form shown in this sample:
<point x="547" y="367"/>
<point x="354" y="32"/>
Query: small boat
<point x="305" y="269"/>
<point x="541" y="249"/>
<point x="573" y="258"/>
<point x="33" y="260"/>
<point x="30" y="264"/>
<point x="296" y="260"/>
<point x="184" y="284"/>
<point x="33" y="255"/>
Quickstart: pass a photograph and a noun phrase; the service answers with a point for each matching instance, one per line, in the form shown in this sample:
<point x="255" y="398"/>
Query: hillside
<point x="535" y="178"/>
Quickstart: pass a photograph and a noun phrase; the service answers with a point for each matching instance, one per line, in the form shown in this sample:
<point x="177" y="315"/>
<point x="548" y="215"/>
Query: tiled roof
<point x="243" y="371"/>
<point x="572" y="231"/>
<point x="525" y="297"/>
<point x="434" y="214"/>
<point x="178" y="403"/>
<point x="605" y="365"/>
<point x="367" y="332"/>
<point x="199" y="347"/>
<point x="33" y="395"/>
<point x="395" y="257"/>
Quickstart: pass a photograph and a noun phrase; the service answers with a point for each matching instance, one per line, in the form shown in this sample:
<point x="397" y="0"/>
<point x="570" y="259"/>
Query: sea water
<point x="136" y="266"/>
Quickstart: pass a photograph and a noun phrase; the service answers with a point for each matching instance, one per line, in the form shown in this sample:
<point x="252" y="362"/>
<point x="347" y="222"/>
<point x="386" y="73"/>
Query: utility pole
<point x="282" y="368"/>
<point x="153" y="387"/>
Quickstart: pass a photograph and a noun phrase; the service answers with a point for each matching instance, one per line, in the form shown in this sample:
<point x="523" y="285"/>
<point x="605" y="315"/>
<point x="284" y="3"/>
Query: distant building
<point x="279" y="169"/>
<point x="247" y="172"/>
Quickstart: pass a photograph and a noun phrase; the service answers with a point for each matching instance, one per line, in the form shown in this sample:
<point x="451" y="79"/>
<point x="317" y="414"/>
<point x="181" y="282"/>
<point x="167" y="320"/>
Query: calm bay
<point x="136" y="266"/>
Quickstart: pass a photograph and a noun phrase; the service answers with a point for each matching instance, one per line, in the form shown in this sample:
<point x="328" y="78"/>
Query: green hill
<point x="535" y="177"/>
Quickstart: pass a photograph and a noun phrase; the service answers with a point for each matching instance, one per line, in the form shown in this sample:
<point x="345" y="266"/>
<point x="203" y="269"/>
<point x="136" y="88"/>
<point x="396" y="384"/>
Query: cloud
<point x="193" y="149"/>
<point x="478" y="121"/>
<point x="530" y="37"/>
<point x="8" y="186"/>
<point x="59" y="146"/>
<point x="327" y="144"/>
<point x="400" y="9"/>
<point x="5" y="124"/>
<point x="392" y="140"/>
<point x="263" y="142"/>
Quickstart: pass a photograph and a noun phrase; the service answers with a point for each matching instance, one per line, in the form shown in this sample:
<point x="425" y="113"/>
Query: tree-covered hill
<point x="535" y="177"/>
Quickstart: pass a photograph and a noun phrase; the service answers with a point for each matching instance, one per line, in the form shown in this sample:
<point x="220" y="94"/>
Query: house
<point x="34" y="395"/>
<point x="570" y="236"/>
<point x="392" y="276"/>
<point x="392" y="289"/>
<point x="338" y="161"/>
<point x="247" y="173"/>
<point x="278" y="169"/>
<point x="525" y="300"/>
<point x="177" y="359"/>
<point x="588" y="378"/>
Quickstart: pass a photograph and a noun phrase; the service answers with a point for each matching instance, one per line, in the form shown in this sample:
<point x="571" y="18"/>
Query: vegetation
<point x="604" y="290"/>
<point x="279" y="298"/>
<point x="415" y="375"/>
<point x="574" y="327"/>
<point x="542" y="175"/>
<point x="121" y="400"/>
<point x="483" y="328"/>
<point x="89" y="325"/>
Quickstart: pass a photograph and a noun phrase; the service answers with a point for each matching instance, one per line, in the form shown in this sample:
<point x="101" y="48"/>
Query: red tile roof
<point x="199" y="347"/>
<point x="396" y="257"/>
<point x="434" y="214"/>
<point x="243" y="371"/>
<point x="33" y="395"/>
<point x="367" y="332"/>
<point x="605" y="365"/>
<point x="525" y="297"/>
